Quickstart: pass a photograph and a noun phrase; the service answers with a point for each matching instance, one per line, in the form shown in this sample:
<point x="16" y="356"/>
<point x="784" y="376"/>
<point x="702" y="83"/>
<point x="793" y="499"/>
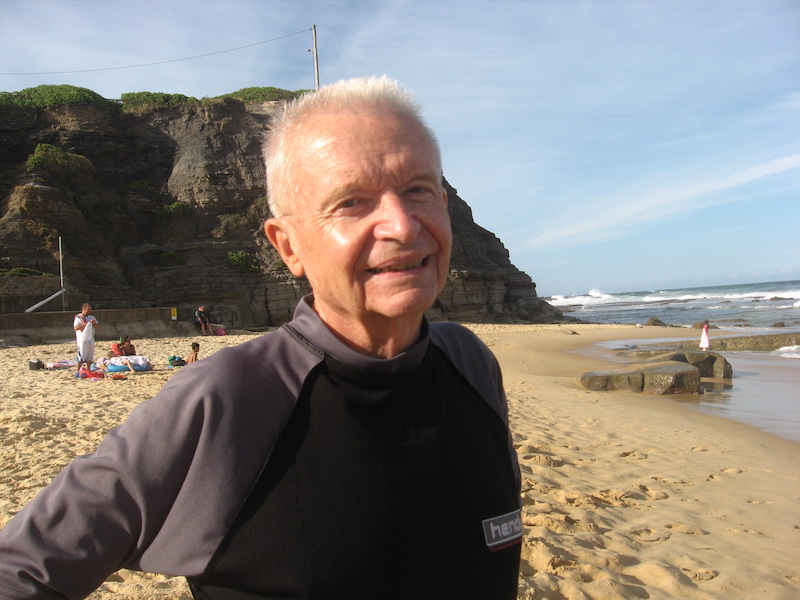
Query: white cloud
<point x="611" y="217"/>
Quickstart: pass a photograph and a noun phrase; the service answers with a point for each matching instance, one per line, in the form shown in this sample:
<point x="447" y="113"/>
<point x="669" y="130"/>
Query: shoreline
<point x="633" y="496"/>
<point x="625" y="495"/>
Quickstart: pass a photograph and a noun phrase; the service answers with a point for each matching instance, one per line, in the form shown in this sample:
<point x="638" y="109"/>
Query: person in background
<point x="201" y="321"/>
<point x="123" y="347"/>
<point x="358" y="452"/>
<point x="705" y="343"/>
<point x="132" y="361"/>
<point x="193" y="355"/>
<point x="84" y="325"/>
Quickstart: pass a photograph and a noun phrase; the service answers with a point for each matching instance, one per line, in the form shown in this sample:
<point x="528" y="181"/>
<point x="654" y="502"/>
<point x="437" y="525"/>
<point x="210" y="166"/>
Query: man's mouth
<point x="398" y="268"/>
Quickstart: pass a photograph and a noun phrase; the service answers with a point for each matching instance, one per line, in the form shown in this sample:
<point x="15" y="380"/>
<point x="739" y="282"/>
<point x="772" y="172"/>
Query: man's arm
<point x="162" y="490"/>
<point x="100" y="513"/>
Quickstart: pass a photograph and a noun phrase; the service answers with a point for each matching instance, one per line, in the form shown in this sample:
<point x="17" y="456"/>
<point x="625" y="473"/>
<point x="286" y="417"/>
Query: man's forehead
<point x="363" y="138"/>
<point x="339" y="153"/>
<point x="362" y="127"/>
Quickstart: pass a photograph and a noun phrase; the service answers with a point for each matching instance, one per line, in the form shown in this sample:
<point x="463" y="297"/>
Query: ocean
<point x="765" y="389"/>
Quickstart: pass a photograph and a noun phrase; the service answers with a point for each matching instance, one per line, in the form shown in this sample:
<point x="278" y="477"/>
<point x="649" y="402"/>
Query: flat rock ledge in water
<point x="671" y="372"/>
<point x="752" y="343"/>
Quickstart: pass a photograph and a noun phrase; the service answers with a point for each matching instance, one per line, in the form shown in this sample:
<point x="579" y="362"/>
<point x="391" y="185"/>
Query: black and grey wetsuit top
<point x="293" y="467"/>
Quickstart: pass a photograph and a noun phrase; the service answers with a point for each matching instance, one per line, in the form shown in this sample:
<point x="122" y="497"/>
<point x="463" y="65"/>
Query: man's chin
<point x="408" y="303"/>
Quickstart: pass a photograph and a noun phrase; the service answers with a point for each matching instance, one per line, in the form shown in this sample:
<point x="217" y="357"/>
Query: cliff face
<point x="166" y="210"/>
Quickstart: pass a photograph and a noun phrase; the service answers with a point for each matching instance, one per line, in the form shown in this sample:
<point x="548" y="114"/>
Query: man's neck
<point x="384" y="339"/>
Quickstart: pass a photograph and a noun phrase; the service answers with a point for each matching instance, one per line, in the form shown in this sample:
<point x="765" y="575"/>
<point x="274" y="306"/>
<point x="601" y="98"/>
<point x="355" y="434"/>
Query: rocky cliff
<point x="165" y="209"/>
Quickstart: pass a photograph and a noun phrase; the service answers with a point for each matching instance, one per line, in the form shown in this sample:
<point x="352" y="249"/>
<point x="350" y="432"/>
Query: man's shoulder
<point x="267" y="363"/>
<point x="447" y="335"/>
<point x="473" y="359"/>
<point x="461" y="345"/>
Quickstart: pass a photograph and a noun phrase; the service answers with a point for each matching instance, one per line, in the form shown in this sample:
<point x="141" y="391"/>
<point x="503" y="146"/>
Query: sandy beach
<point x="625" y="496"/>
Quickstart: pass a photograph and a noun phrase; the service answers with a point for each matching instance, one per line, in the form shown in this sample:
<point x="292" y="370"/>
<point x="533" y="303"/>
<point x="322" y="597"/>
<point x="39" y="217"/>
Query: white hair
<point x="366" y="94"/>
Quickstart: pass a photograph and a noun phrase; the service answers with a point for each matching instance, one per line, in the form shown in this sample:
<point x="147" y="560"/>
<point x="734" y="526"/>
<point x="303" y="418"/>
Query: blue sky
<point x="617" y="144"/>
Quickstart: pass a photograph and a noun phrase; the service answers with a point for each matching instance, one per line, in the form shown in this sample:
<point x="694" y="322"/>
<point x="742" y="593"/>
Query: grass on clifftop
<point x="263" y="94"/>
<point x="45" y="96"/>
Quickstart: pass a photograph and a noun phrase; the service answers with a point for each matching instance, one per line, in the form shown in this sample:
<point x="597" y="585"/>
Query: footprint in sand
<point x="614" y="497"/>
<point x="680" y="482"/>
<point x="645" y="534"/>
<point x="542" y="459"/>
<point x="636" y="454"/>
<point x="687" y="529"/>
<point x="728" y="471"/>
<point x="653" y="494"/>
<point x="701" y="574"/>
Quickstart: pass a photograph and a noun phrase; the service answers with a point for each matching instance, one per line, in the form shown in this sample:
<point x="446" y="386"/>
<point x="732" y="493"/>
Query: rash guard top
<point x="292" y="466"/>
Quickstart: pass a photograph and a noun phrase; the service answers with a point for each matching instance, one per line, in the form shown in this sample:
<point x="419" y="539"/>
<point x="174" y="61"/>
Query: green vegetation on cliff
<point x="242" y="261"/>
<point x="140" y="102"/>
<point x="175" y="209"/>
<point x="23" y="272"/>
<point x="253" y="217"/>
<point x="45" y="96"/>
<point x="263" y="94"/>
<point x="51" y="162"/>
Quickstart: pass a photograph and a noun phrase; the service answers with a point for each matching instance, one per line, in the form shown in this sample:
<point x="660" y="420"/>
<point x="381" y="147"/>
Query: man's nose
<point x="396" y="219"/>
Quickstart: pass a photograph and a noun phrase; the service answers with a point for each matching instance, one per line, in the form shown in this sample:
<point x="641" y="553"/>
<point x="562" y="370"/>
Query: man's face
<point x="86" y="310"/>
<point x="369" y="225"/>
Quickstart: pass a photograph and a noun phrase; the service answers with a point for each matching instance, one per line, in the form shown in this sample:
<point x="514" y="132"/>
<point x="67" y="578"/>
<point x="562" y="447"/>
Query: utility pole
<point x="316" y="60"/>
<point x="61" y="270"/>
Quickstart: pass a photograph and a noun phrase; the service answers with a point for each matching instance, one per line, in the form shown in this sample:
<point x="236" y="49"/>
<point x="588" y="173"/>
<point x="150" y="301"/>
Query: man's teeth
<point x="405" y="267"/>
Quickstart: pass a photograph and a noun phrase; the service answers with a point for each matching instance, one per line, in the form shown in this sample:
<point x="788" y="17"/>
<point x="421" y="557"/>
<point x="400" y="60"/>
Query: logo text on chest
<point x="503" y="530"/>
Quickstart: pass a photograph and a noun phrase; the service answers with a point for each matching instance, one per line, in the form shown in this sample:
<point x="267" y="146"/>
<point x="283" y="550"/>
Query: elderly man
<point x="357" y="452"/>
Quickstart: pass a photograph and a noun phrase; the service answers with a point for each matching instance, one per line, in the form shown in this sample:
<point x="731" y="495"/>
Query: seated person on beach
<point x="201" y="321"/>
<point x="358" y="452"/>
<point x="193" y="355"/>
<point x="123" y="347"/>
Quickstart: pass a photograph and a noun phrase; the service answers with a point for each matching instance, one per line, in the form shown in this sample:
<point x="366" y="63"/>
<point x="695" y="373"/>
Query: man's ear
<point x="281" y="235"/>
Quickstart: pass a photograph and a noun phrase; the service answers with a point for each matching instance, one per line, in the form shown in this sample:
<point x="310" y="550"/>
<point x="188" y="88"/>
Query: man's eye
<point x="349" y="204"/>
<point x="419" y="191"/>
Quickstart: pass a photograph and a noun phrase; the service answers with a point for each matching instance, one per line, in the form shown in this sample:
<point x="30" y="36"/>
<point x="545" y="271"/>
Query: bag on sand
<point x="89" y="374"/>
<point x="35" y="363"/>
<point x="176" y="361"/>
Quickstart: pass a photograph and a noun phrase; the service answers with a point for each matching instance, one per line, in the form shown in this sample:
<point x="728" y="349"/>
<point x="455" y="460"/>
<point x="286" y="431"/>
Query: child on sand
<point x="193" y="355"/>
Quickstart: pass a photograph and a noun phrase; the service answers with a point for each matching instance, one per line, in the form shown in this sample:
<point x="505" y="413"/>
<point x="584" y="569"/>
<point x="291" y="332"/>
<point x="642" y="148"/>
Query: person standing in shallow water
<point x="704" y="341"/>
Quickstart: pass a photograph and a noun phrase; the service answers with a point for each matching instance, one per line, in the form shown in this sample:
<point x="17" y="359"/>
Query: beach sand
<point x="625" y="496"/>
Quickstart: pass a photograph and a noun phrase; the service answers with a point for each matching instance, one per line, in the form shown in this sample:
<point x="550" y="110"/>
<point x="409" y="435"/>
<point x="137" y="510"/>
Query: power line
<point x="162" y="62"/>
